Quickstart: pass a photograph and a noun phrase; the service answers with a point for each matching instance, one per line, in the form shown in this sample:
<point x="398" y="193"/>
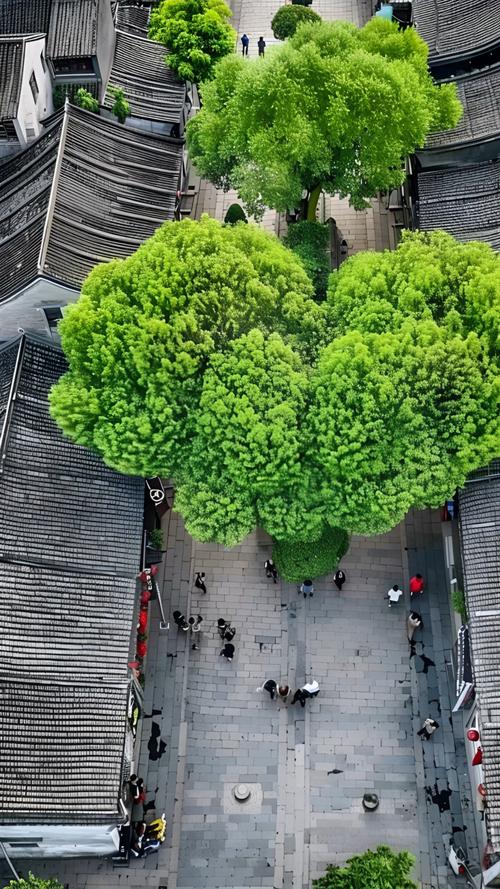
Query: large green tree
<point x="288" y="18"/>
<point x="144" y="330"/>
<point x="336" y="108"/>
<point x="382" y="869"/>
<point x="205" y="358"/>
<point x="197" y="33"/>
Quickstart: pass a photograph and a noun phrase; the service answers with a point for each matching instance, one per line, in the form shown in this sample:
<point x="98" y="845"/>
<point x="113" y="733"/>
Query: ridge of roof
<point x="53" y="191"/>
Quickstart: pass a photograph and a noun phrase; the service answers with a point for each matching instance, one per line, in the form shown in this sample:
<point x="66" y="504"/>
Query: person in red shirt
<point x="416" y="585"/>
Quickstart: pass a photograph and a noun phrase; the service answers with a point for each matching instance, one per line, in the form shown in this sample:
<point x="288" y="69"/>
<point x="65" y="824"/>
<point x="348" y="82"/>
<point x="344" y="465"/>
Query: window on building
<point x="73" y="66"/>
<point x="8" y="131"/>
<point x="34" y="86"/>
<point x="53" y="314"/>
<point x="42" y="60"/>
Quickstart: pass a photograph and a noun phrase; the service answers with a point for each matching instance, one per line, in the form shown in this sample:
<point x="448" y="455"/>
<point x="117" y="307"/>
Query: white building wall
<point x="26" y="308"/>
<point x="31" y="113"/>
<point x="59" y="840"/>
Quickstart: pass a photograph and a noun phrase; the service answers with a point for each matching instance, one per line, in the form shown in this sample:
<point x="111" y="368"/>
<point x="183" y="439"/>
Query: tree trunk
<point x="312" y="203"/>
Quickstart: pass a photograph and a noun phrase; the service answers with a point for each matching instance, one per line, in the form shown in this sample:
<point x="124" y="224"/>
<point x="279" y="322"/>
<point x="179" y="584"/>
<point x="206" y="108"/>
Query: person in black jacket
<point x="261" y="43"/>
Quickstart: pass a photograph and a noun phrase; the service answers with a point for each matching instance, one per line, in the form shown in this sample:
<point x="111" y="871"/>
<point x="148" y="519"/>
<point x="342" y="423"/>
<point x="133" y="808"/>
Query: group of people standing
<point x="284" y="693"/>
<point x="245" y="41"/>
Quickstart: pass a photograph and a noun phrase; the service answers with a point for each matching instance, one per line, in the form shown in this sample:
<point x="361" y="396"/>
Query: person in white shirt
<point x="394" y="595"/>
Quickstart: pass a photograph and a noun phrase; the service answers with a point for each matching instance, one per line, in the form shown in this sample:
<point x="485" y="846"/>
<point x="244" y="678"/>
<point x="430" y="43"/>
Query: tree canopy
<point x="335" y="108"/>
<point x="197" y="33"/>
<point x="371" y="870"/>
<point x="144" y="330"/>
<point x="288" y="18"/>
<point x="32" y="882"/>
<point x="204" y="357"/>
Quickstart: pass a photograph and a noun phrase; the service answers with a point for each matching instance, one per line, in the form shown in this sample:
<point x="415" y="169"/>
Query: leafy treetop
<point x="203" y="357"/>
<point x="382" y="869"/>
<point x="335" y="108"/>
<point x="288" y="18"/>
<point x="141" y="335"/>
<point x="197" y="33"/>
<point x="32" y="882"/>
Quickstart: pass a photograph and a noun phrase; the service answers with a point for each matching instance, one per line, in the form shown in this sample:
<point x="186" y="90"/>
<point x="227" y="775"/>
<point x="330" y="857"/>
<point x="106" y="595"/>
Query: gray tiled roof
<point x="70" y="532"/>
<point x="72" y="29"/>
<point x="480" y="526"/>
<point x="25" y="186"/>
<point x="458" y="28"/>
<point x="479" y="94"/>
<point x="463" y="201"/>
<point x="24" y="16"/>
<point x="11" y="68"/>
<point x="153" y="90"/>
<point x="114" y="187"/>
<point x="132" y="18"/>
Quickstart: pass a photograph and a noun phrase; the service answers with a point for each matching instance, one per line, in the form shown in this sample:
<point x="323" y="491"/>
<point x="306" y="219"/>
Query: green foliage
<point x="336" y="108"/>
<point x="32" y="882"/>
<point x="296" y="559"/>
<point x="85" y="100"/>
<point x="309" y="240"/>
<point x="459" y="604"/>
<point x="156" y="538"/>
<point x="204" y="358"/>
<point x="288" y="18"/>
<point x="382" y="869"/>
<point x="235" y="214"/>
<point x="59" y="96"/>
<point x="121" y="108"/>
<point x="197" y="33"/>
<point x="144" y="330"/>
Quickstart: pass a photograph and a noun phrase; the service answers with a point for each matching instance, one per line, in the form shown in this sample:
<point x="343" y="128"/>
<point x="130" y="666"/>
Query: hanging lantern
<point x="481" y="789"/>
<point x="154" y="570"/>
<point x="143" y="576"/>
<point x="478" y="757"/>
<point x="141" y="649"/>
<point x="145" y="597"/>
<point x="473" y="734"/>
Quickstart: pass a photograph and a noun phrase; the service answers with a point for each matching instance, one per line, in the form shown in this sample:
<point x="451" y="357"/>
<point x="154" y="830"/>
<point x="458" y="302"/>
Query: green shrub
<point x="156" y="538"/>
<point x="288" y="18"/>
<point x="32" y="882"/>
<point x="235" y="214"/>
<point x="309" y="241"/>
<point x="458" y="602"/>
<point x="121" y="108"/>
<point x="296" y="560"/>
<point x="86" y="101"/>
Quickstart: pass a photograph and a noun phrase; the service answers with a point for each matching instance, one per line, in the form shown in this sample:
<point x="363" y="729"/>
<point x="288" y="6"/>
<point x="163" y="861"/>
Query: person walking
<point x="270" y="686"/>
<point x="339" y="579"/>
<point x="181" y="621"/>
<point x="228" y="651"/>
<point x="311" y="688"/>
<point x="200" y="581"/>
<point x="284" y="692"/>
<point x="261" y="43"/>
<point x="394" y="595"/>
<point x="307" y="588"/>
<point x="271" y="570"/>
<point x="413" y="622"/>
<point x="226" y="631"/>
<point x="417" y="584"/>
<point x="244" y="44"/>
<point x="428" y="728"/>
<point x="300" y="696"/>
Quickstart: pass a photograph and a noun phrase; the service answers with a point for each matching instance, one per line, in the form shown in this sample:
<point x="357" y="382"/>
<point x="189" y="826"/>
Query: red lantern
<point x="478" y="757"/>
<point x="143" y="576"/>
<point x="481" y="789"/>
<point x="143" y="621"/>
<point x="145" y="597"/>
<point x="141" y="649"/>
<point x="473" y="734"/>
<point x="154" y="570"/>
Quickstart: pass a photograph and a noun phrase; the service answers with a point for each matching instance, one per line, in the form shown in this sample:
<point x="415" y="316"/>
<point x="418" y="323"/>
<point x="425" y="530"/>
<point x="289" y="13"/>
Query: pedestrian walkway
<point x="445" y="803"/>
